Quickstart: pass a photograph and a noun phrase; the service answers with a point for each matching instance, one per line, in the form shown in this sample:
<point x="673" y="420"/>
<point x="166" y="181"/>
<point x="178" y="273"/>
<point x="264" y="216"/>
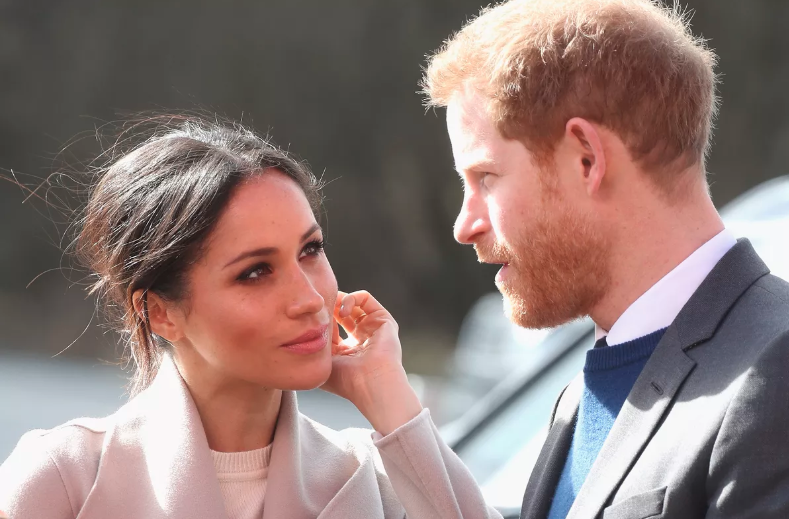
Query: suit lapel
<point x="651" y="396"/>
<point x="663" y="375"/>
<point x="549" y="465"/>
<point x="640" y="416"/>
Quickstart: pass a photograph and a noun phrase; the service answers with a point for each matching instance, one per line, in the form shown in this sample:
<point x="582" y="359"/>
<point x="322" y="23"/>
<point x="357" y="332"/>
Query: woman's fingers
<point x="338" y="303"/>
<point x="351" y="322"/>
<point x="363" y="300"/>
<point x="351" y="309"/>
<point x="360" y="315"/>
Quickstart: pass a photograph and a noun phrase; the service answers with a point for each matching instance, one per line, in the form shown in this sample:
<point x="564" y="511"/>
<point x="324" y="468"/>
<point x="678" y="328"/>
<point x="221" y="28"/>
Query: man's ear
<point x="588" y="154"/>
<point x="161" y="315"/>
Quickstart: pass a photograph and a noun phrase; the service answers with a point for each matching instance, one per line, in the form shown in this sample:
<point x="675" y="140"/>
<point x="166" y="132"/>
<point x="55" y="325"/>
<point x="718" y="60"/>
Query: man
<point x="580" y="129"/>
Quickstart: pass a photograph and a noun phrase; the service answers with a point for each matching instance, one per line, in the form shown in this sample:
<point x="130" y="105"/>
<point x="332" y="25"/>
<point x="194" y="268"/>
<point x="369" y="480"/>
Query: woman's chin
<point x="309" y="377"/>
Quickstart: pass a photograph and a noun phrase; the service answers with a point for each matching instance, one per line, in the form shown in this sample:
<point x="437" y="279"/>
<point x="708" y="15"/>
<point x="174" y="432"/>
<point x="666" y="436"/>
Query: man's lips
<point x="311" y="341"/>
<point x="493" y="262"/>
<point x="500" y="275"/>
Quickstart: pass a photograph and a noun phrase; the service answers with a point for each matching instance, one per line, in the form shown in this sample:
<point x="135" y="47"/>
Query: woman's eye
<point x="256" y="272"/>
<point x="313" y="248"/>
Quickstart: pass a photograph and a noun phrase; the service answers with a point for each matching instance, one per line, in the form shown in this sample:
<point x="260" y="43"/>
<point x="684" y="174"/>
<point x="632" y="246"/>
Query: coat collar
<point x="652" y="394"/>
<point x="318" y="472"/>
<point x="740" y="268"/>
<point x="156" y="463"/>
<point x="155" y="459"/>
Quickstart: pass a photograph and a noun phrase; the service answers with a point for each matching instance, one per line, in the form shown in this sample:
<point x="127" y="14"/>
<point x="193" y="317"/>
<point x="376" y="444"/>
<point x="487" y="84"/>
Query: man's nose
<point x="472" y="221"/>
<point x="305" y="299"/>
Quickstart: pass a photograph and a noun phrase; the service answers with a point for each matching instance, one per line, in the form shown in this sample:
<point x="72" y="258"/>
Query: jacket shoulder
<point x="778" y="288"/>
<point x="77" y="440"/>
<point x="49" y="472"/>
<point x="761" y="313"/>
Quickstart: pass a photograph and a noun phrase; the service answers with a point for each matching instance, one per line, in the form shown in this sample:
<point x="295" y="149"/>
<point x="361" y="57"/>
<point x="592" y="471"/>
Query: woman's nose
<point x="304" y="299"/>
<point x="472" y="221"/>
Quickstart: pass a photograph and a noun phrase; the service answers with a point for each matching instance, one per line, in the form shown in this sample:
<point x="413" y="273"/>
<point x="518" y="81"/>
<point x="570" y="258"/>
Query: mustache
<point x="495" y="254"/>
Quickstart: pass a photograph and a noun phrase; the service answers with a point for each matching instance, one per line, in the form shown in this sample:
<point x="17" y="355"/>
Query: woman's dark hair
<point x="152" y="207"/>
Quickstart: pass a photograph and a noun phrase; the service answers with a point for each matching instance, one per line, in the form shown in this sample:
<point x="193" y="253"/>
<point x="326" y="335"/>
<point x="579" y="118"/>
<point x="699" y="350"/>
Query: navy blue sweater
<point x="609" y="374"/>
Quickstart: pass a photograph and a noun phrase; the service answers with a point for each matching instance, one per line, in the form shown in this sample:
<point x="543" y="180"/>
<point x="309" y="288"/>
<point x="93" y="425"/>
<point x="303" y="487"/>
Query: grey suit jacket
<point x="704" y="432"/>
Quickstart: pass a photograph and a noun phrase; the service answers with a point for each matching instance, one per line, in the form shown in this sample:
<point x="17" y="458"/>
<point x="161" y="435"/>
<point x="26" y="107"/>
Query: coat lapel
<point x="549" y="465"/>
<point x="663" y="375"/>
<point x="155" y="461"/>
<point x="316" y="472"/>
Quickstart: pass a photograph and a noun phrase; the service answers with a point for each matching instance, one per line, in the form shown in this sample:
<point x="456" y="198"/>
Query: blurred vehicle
<point x="522" y="372"/>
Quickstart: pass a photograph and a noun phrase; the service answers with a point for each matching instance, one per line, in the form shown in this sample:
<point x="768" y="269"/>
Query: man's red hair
<point x="632" y="66"/>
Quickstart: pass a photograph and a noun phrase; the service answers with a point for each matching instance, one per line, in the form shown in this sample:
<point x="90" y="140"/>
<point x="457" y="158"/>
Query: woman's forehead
<point x="269" y="210"/>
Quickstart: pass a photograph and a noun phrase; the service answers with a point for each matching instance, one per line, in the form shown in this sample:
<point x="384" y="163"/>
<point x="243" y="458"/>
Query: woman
<point x="204" y="240"/>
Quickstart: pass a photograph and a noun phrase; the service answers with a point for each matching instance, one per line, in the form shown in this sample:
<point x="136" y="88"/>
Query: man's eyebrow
<point x="477" y="165"/>
<point x="268" y="251"/>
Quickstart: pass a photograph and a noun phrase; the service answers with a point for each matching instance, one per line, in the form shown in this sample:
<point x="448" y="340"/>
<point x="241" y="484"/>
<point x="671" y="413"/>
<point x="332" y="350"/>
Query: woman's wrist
<point x="387" y="401"/>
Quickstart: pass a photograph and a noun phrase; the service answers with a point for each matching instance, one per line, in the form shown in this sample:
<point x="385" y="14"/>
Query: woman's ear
<point x="162" y="317"/>
<point x="587" y="146"/>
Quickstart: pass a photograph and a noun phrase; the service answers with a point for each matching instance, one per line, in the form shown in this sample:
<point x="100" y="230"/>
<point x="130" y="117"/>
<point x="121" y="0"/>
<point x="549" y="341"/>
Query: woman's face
<point x="260" y="299"/>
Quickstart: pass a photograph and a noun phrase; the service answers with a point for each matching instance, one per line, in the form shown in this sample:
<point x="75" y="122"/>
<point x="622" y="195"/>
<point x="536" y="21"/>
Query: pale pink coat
<point x="150" y="460"/>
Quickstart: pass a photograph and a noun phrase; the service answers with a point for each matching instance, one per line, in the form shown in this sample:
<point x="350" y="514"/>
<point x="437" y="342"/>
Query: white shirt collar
<point x="659" y="306"/>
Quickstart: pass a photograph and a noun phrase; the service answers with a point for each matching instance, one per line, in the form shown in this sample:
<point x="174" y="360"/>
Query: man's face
<point x="518" y="214"/>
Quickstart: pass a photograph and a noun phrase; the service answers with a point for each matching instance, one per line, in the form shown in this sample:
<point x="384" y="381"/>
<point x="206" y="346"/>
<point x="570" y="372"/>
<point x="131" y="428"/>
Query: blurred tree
<point x="336" y="82"/>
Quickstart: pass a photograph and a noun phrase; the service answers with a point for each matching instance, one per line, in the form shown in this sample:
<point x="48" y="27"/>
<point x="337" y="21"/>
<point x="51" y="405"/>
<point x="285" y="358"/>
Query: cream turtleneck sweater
<point x="242" y="480"/>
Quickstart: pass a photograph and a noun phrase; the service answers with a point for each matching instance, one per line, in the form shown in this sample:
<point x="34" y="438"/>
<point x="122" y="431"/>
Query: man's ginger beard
<point x="558" y="267"/>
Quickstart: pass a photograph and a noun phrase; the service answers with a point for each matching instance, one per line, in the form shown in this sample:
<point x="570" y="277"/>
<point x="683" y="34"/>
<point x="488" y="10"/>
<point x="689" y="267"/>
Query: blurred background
<point x="336" y="83"/>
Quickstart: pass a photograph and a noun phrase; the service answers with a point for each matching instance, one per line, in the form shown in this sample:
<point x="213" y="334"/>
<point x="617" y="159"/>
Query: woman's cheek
<point x="244" y="321"/>
<point x="325" y="282"/>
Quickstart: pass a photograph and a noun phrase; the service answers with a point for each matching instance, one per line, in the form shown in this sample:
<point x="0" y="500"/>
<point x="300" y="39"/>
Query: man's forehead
<point x="470" y="131"/>
<point x="466" y="109"/>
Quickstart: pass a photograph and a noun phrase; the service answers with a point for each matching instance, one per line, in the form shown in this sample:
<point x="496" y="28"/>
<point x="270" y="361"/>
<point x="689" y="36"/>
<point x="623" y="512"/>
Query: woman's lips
<point x="313" y="341"/>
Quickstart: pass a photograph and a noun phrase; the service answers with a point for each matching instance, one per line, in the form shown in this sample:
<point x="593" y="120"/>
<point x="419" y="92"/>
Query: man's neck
<point x="649" y="245"/>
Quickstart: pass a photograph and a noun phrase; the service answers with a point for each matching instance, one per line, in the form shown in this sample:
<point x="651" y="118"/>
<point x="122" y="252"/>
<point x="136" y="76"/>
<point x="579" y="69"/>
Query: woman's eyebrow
<point x="268" y="251"/>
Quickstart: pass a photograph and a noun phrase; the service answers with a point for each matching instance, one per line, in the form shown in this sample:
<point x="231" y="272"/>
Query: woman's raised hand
<point x="367" y="366"/>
